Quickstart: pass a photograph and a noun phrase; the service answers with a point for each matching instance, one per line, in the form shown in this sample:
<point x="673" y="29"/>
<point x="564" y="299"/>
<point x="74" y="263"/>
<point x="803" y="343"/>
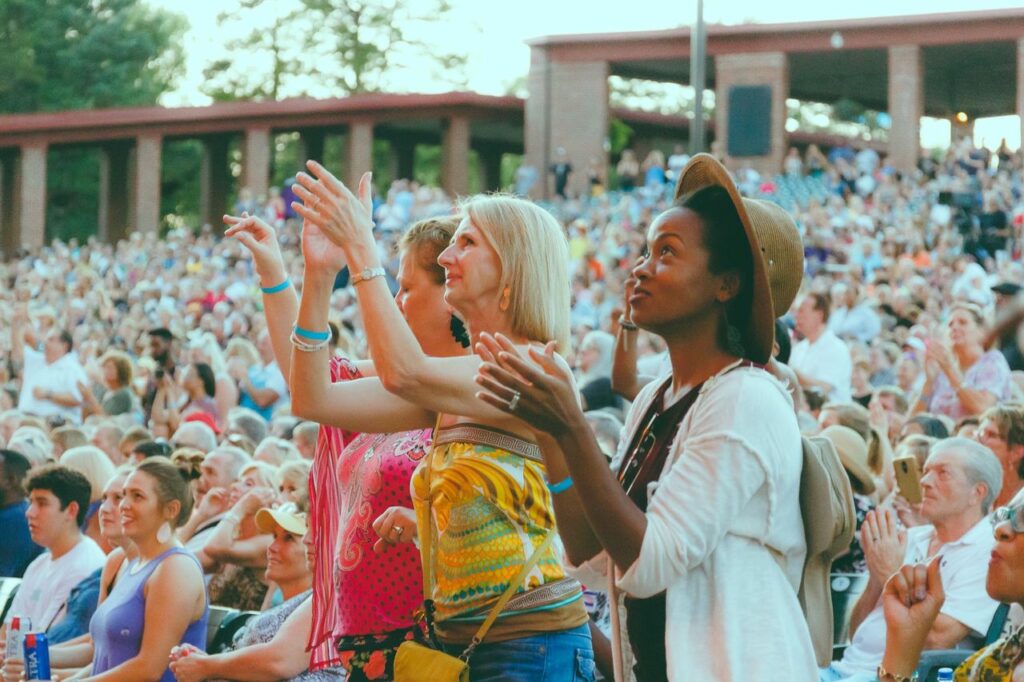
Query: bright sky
<point x="493" y="33"/>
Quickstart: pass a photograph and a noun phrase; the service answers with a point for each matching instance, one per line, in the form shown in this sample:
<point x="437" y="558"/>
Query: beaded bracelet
<point x="305" y="347"/>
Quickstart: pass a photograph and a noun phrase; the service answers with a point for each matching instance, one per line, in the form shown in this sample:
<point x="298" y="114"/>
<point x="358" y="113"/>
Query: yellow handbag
<point x="415" y="662"/>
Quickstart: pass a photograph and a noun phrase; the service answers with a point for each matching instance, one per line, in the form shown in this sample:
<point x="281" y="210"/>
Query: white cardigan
<point x="724" y="538"/>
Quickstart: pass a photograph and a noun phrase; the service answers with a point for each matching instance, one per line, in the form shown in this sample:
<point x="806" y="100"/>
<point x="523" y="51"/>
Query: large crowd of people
<point x="560" y="440"/>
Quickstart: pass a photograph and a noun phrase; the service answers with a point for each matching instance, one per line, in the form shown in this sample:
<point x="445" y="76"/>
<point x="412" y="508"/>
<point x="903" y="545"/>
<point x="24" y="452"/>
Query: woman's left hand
<point x="538" y="390"/>
<point x="342" y="216"/>
<point x="187" y="664"/>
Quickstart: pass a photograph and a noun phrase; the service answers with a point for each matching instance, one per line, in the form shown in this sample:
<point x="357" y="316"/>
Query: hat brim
<point x="704" y="170"/>
<point x="269" y="519"/>
<point x="858" y="471"/>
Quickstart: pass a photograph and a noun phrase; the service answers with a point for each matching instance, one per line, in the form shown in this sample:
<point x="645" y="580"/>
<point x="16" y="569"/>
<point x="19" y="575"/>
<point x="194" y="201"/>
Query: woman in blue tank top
<point x="160" y="601"/>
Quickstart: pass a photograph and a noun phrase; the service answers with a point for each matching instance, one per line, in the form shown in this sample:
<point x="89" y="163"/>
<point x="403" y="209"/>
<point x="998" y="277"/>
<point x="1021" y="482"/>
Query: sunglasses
<point x="1012" y="515"/>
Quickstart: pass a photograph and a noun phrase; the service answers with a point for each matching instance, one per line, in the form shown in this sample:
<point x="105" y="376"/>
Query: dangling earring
<point x="506" y="299"/>
<point x="163" y="536"/>
<point x="458" y="330"/>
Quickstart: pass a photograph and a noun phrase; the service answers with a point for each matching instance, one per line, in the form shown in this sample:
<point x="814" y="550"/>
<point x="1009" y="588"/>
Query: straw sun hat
<point x="777" y="250"/>
<point x="853" y="453"/>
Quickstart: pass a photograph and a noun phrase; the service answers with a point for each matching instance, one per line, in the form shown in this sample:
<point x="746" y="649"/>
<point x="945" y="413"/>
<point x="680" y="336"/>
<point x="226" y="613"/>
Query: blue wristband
<point x="316" y="336"/>
<point x="280" y="287"/>
<point x="561" y="486"/>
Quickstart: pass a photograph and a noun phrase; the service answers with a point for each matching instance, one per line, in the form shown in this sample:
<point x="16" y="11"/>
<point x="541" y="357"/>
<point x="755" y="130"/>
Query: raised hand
<point x="254" y="500"/>
<point x="883" y="543"/>
<point x="319" y="252"/>
<point x="395" y="525"/>
<point x="537" y="390"/>
<point x="911" y="601"/>
<point x="343" y="217"/>
<point x="260" y="239"/>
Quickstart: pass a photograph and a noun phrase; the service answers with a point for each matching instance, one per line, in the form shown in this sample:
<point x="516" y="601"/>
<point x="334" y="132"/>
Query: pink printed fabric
<point x="323" y="523"/>
<point x="990" y="373"/>
<point x="376" y="593"/>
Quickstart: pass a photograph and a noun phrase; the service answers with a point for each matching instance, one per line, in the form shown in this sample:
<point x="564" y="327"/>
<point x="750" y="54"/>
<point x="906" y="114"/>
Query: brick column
<point x="213" y="181"/>
<point x="567" y="107"/>
<point x="906" y="105"/>
<point x="256" y="162"/>
<point x="754" y="68"/>
<point x="148" y="159"/>
<point x="31" y="195"/>
<point x="455" y="156"/>
<point x="113" y="191"/>
<point x="358" y="153"/>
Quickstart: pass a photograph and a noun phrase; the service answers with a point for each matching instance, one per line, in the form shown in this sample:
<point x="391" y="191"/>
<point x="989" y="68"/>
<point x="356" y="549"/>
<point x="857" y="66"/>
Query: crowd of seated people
<point x="147" y="441"/>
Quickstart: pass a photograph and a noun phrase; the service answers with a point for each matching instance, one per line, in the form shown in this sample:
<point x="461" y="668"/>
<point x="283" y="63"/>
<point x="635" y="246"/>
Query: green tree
<point x="331" y="47"/>
<point x="86" y="54"/>
<point x="83" y="54"/>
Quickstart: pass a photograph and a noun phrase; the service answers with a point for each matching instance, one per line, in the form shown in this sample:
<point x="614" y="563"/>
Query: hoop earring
<point x="163" y="536"/>
<point x="506" y="300"/>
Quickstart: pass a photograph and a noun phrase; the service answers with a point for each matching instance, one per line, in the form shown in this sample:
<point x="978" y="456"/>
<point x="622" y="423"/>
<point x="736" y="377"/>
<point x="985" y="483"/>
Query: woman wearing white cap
<point x="270" y="646"/>
<point x="700" y="527"/>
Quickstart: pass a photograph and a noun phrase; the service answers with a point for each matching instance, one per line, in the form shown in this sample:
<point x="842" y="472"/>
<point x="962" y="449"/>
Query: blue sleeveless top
<point x="117" y="625"/>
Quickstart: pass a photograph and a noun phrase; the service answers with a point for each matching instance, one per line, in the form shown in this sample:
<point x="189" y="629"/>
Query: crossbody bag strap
<point x="513" y="587"/>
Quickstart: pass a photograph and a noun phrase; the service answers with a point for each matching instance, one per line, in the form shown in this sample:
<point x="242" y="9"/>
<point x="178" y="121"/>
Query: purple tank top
<point x="116" y="627"/>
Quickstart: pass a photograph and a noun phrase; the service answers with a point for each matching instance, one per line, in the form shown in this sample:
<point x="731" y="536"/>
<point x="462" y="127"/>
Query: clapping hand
<point x="883" y="543"/>
<point x="261" y="241"/>
<point x="254" y="500"/>
<point x="343" y="217"/>
<point x="538" y="390"/>
<point x="911" y="601"/>
<point x="186" y="661"/>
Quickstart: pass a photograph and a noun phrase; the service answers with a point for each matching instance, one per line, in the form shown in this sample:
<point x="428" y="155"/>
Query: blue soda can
<point x="37" y="656"/>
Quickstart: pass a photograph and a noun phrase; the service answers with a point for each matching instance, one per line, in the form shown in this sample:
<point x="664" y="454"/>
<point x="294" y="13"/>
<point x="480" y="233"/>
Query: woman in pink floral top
<point x="962" y="379"/>
<point x="369" y="605"/>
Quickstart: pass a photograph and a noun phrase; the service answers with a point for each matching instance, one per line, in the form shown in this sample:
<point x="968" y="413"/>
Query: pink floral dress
<point x="990" y="373"/>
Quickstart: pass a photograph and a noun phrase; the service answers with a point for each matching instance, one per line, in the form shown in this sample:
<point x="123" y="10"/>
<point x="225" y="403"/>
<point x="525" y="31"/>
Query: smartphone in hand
<point x="908" y="478"/>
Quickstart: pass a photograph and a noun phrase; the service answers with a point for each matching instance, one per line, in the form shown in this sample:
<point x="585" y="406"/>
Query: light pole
<point x="698" y="57"/>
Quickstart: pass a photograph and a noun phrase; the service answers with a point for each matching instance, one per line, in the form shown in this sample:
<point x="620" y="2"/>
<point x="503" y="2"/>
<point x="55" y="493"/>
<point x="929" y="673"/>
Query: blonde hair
<point x="266" y="473"/>
<point x="534" y="257"/>
<point x="297" y="473"/>
<point x="92" y="463"/>
<point x="243" y="348"/>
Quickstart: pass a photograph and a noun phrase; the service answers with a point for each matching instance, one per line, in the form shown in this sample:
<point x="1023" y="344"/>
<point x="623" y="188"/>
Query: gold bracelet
<point x="886" y="676"/>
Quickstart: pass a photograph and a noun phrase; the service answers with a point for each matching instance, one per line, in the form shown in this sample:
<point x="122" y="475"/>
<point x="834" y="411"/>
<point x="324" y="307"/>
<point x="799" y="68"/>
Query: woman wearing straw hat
<point x="699" y="523"/>
<point x="853" y="453"/>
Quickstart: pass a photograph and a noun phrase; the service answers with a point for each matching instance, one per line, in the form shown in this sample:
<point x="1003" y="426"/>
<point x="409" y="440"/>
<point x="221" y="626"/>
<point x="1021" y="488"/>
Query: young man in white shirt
<point x="821" y="360"/>
<point x="961" y="480"/>
<point x="58" y="501"/>
<point x="50" y="378"/>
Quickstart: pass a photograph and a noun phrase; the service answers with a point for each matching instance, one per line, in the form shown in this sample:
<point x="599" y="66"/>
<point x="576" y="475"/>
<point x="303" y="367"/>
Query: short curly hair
<point x="66" y="484"/>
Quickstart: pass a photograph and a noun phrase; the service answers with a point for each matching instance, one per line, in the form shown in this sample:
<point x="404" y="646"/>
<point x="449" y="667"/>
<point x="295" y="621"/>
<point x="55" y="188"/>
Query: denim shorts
<point x="565" y="656"/>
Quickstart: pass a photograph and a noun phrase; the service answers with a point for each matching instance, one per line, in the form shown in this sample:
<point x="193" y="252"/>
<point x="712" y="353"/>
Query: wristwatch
<point x="366" y="274"/>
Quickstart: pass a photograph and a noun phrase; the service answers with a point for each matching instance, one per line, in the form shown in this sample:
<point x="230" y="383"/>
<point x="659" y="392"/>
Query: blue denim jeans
<point x="566" y="656"/>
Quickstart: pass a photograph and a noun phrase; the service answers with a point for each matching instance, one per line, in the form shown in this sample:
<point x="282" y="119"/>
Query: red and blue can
<point x="37" y="656"/>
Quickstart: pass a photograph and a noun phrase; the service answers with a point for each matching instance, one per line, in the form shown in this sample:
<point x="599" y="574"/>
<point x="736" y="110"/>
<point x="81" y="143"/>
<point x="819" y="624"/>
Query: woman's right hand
<point x="395" y="525"/>
<point x="261" y="241"/>
<point x="254" y="500"/>
<point x="216" y="501"/>
<point x="319" y="252"/>
<point x="911" y="601"/>
<point x="187" y="663"/>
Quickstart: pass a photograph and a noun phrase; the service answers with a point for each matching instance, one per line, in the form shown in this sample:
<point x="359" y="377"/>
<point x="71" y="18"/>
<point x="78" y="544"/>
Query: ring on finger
<point x="512" y="404"/>
<point x="397" y="530"/>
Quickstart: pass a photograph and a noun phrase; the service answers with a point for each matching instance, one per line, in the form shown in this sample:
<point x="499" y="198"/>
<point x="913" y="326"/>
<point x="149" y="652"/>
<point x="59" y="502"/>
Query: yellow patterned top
<point x="491" y="508"/>
<point x="996" y="662"/>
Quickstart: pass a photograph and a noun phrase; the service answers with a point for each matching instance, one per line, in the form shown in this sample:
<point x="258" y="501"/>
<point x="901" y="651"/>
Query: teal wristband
<point x="280" y="287"/>
<point x="561" y="486"/>
<point x="316" y="336"/>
